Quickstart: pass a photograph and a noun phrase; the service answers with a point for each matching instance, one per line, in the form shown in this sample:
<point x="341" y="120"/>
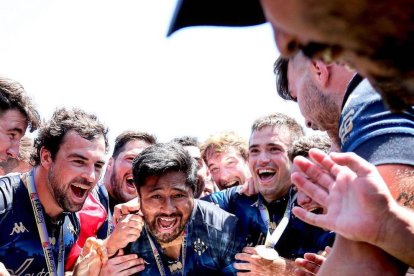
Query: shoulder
<point x="8" y="187"/>
<point x="213" y="216"/>
<point x="367" y="127"/>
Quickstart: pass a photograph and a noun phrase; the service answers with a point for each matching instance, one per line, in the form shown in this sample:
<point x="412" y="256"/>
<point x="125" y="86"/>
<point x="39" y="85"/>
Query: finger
<point x="243" y="257"/>
<point x="310" y="218"/>
<point x="249" y="250"/>
<point x="133" y="270"/>
<point x="314" y="172"/>
<point x="242" y="266"/>
<point x="130" y="263"/>
<point x="301" y="272"/>
<point x="123" y="258"/>
<point x="357" y="164"/>
<point x="312" y="190"/>
<point x="315" y="258"/>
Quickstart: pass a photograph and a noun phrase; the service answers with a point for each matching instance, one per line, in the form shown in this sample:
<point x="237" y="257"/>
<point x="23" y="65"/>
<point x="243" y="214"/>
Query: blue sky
<point x="113" y="58"/>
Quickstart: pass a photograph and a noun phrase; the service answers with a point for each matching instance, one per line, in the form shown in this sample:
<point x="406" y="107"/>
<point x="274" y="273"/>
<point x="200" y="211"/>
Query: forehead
<point x="230" y="152"/>
<point x="73" y="143"/>
<point x="167" y="181"/>
<point x="14" y="119"/>
<point x="270" y="134"/>
<point x="134" y="147"/>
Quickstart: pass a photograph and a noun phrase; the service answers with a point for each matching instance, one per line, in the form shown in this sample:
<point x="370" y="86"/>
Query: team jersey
<point x="369" y="129"/>
<point x="298" y="237"/>
<point x="211" y="245"/>
<point x="20" y="246"/>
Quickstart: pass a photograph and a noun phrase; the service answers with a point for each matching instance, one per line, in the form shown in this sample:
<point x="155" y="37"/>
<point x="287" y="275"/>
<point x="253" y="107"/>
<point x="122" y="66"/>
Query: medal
<point x="267" y="253"/>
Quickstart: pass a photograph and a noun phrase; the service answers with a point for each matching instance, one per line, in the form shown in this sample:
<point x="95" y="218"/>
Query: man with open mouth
<point x="261" y="214"/>
<point x="225" y="154"/>
<point x="37" y="216"/>
<point x="182" y="235"/>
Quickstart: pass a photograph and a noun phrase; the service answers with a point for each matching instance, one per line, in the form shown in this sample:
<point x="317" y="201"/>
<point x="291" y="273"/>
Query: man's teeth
<point x="266" y="171"/>
<point x="81" y="186"/>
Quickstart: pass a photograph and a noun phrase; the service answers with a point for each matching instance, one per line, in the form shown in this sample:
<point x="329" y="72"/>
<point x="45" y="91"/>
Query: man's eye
<point x="155" y="196"/>
<point x="179" y="196"/>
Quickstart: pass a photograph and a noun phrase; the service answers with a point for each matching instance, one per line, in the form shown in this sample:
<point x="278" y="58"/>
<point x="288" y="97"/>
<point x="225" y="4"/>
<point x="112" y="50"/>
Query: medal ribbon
<point x="273" y="238"/>
<point x="157" y="255"/>
<point x="41" y="227"/>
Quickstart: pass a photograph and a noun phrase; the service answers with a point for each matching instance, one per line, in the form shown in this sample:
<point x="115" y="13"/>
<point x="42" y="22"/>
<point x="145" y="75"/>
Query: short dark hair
<point x="122" y="139"/>
<point x="13" y="96"/>
<point x="161" y="158"/>
<point x="52" y="133"/>
<point x="186" y="141"/>
<point x="302" y="146"/>
<point x="280" y="69"/>
<point x="279" y="120"/>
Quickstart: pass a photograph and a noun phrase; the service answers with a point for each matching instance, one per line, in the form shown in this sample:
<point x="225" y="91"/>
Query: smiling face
<point x="166" y="203"/>
<point x="269" y="162"/>
<point x="75" y="170"/>
<point x="13" y="125"/>
<point x="122" y="186"/>
<point x="228" y="168"/>
<point x="374" y="37"/>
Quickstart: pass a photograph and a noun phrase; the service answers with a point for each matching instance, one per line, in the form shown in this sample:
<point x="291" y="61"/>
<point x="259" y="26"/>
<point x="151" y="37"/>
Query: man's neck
<point x="51" y="207"/>
<point x="173" y="249"/>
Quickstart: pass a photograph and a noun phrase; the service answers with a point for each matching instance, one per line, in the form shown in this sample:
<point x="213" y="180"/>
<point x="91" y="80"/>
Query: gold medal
<point x="267" y="253"/>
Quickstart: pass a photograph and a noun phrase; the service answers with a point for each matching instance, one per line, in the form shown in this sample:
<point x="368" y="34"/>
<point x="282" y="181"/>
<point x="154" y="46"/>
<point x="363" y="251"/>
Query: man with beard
<point x="182" y="235"/>
<point x="205" y="184"/>
<point x="271" y="138"/>
<point x="117" y="187"/>
<point x="362" y="124"/>
<point x="225" y="154"/>
<point x="37" y="220"/>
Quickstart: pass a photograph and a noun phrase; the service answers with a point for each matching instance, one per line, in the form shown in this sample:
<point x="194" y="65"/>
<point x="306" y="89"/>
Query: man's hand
<point x="249" y="187"/>
<point x="351" y="189"/>
<point x="128" y="229"/>
<point x="310" y="263"/>
<point x="123" y="265"/>
<point x="92" y="256"/>
<point x="132" y="206"/>
<point x="255" y="265"/>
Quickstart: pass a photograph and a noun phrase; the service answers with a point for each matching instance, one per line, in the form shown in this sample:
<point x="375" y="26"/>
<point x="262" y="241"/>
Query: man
<point x="226" y="157"/>
<point x="364" y="126"/>
<point x="20" y="164"/>
<point x="375" y="37"/>
<point x="117" y="187"/>
<point x="205" y="184"/>
<point x="270" y="140"/>
<point x="182" y="236"/>
<point x="17" y="113"/>
<point x="37" y="220"/>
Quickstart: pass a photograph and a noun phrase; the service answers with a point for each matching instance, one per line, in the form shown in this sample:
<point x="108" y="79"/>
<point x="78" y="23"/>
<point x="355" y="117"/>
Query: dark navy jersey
<point x="20" y="246"/>
<point x="211" y="241"/>
<point x="298" y="237"/>
<point x="373" y="132"/>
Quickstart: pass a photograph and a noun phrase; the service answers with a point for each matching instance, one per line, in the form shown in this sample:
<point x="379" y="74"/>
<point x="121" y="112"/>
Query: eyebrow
<point x="76" y="155"/>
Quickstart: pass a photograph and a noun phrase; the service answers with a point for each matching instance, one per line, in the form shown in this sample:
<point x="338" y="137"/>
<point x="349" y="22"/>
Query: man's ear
<point x="45" y="158"/>
<point x="321" y="72"/>
<point x="110" y="165"/>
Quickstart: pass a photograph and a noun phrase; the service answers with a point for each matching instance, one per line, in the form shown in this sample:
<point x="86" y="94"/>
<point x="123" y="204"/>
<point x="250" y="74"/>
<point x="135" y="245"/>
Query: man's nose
<point x="13" y="150"/>
<point x="287" y="44"/>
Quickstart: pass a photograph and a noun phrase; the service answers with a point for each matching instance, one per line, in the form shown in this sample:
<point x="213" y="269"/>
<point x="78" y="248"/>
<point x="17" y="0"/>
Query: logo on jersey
<point x="346" y="126"/>
<point x="18" y="228"/>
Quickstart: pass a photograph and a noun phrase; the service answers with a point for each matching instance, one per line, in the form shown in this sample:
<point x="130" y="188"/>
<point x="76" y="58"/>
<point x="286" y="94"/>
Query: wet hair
<point x="302" y="146"/>
<point x="279" y="120"/>
<point x="186" y="141"/>
<point x="280" y="69"/>
<point x="162" y="158"/>
<point x="122" y="139"/>
<point x="52" y="133"/>
<point x="13" y="96"/>
<point x="222" y="142"/>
